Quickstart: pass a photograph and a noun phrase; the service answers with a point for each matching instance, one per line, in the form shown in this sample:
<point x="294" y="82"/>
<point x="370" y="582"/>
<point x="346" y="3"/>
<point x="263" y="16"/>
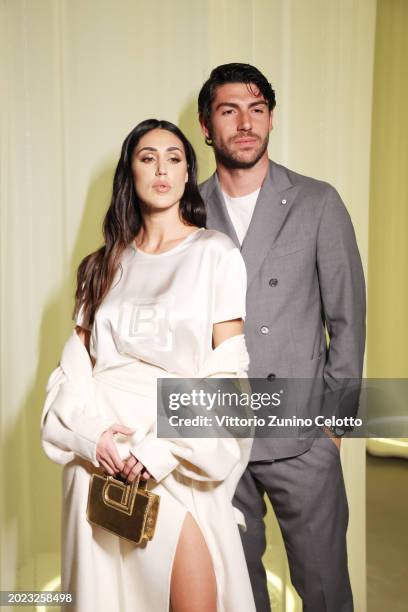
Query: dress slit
<point x="197" y="525"/>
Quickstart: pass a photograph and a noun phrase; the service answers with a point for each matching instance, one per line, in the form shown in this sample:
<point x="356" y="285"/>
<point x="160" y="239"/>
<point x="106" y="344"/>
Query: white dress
<point x="156" y="321"/>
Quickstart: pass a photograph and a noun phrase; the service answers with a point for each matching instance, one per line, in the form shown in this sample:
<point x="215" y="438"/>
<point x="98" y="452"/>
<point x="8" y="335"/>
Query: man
<point x="304" y="277"/>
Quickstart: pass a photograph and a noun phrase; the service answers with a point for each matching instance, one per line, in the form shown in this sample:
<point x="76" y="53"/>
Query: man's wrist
<point x="333" y="432"/>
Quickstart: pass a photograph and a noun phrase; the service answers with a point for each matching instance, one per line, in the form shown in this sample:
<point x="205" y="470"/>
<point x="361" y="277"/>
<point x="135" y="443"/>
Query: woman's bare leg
<point x="193" y="586"/>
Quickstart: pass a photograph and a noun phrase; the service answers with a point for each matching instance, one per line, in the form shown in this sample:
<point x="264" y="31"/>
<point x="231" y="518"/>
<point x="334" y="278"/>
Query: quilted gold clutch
<point x="127" y="510"/>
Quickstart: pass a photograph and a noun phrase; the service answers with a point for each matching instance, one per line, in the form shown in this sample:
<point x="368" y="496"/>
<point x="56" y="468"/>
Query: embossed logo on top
<point x="147" y="321"/>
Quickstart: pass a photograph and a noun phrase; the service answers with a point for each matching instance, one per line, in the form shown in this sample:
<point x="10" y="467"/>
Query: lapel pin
<point x="283" y="201"/>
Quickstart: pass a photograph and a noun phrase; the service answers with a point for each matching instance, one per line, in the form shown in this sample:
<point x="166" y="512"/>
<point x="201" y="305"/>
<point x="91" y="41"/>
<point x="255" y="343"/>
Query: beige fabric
<point x="105" y="572"/>
<point x="162" y="306"/>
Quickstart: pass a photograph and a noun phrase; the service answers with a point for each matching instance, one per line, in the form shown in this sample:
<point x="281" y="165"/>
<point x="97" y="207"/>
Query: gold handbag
<point x="127" y="510"/>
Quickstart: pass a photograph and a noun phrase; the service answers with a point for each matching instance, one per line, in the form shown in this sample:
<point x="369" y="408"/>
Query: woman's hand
<point x="106" y="451"/>
<point x="133" y="467"/>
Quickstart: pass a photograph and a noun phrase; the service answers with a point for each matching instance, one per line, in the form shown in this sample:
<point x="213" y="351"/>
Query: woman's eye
<point x="175" y="160"/>
<point x="147" y="159"/>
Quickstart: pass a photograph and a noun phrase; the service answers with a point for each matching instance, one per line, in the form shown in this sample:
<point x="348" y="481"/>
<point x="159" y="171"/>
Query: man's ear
<point x="271" y="120"/>
<point x="204" y="128"/>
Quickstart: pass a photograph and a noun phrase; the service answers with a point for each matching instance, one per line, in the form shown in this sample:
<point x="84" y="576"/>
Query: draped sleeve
<point x="230" y="287"/>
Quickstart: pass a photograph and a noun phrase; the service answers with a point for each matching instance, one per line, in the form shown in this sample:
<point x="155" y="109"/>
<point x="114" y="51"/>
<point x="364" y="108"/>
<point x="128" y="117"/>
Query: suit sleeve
<point x="342" y="287"/>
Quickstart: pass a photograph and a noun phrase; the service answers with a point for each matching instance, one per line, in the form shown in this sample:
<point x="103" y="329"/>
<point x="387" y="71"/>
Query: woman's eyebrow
<point x="154" y="149"/>
<point x="146" y="149"/>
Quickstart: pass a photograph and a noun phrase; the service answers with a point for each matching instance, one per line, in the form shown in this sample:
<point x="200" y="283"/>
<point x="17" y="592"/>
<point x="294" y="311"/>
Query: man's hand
<point x="133" y="467"/>
<point x="335" y="439"/>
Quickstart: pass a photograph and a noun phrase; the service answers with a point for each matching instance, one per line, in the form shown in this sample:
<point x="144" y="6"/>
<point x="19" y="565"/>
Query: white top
<point x="240" y="211"/>
<point x="161" y="307"/>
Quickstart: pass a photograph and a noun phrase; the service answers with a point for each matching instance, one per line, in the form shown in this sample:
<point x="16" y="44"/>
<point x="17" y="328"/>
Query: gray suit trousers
<point x="308" y="496"/>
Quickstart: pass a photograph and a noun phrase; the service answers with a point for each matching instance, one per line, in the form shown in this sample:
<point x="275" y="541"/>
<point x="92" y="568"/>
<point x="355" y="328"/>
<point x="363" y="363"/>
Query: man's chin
<point x="239" y="160"/>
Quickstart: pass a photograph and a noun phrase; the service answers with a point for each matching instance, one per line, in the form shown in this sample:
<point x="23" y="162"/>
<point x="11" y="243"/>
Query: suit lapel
<point x="272" y="207"/>
<point x="217" y="213"/>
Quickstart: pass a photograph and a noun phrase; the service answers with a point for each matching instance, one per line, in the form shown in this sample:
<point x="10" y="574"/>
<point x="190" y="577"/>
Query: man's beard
<point x="232" y="161"/>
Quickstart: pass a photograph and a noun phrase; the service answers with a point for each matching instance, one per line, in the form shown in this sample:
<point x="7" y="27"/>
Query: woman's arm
<point x="226" y="329"/>
<point x="70" y="424"/>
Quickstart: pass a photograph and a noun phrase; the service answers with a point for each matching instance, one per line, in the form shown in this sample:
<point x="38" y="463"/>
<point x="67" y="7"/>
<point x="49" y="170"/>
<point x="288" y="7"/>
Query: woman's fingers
<point x="118" y="428"/>
<point x="136" y="469"/>
<point x="118" y="464"/>
<point x="106" y="452"/>
<point x="106" y="447"/>
<point x="128" y="465"/>
<point x="106" y="466"/>
<point x="105" y="457"/>
<point x="111" y="462"/>
<point x="132" y="467"/>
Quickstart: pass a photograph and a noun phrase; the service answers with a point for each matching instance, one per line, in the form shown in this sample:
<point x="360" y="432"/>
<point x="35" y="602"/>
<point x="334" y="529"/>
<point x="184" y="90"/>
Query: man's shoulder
<point x="306" y="184"/>
<point x="206" y="186"/>
<point x="284" y="177"/>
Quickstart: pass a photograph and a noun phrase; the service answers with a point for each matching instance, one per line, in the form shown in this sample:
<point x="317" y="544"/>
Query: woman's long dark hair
<point x="123" y="220"/>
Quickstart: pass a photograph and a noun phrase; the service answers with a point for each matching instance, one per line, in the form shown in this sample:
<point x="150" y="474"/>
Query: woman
<point x="164" y="297"/>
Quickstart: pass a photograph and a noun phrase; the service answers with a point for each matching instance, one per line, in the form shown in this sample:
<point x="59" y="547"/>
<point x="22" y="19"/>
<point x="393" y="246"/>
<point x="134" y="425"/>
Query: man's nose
<point x="244" y="121"/>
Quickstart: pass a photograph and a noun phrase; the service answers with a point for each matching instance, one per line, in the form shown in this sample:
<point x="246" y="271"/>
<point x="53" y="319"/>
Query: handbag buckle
<point x="129" y="491"/>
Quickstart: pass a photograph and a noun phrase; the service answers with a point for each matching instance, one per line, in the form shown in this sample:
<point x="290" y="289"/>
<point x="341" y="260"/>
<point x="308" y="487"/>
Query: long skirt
<point x="110" y="574"/>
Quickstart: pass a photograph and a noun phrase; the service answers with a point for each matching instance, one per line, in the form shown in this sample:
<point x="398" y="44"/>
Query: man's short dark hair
<point x="232" y="73"/>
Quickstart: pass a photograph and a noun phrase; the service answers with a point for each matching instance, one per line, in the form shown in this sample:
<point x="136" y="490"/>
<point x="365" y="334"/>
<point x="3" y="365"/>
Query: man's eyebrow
<point x="234" y="105"/>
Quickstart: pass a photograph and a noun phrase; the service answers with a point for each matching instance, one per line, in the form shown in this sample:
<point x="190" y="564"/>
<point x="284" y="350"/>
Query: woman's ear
<point x="186" y="179"/>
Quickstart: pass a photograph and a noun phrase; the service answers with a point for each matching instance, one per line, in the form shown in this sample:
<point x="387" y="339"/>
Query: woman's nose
<point x="161" y="168"/>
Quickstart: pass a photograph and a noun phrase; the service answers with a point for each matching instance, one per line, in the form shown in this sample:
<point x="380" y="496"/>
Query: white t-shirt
<point x="240" y="211"/>
<point x="161" y="307"/>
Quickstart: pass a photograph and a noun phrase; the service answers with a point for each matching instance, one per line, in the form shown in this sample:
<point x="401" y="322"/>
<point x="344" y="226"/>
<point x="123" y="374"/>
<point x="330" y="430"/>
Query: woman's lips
<point x="162" y="188"/>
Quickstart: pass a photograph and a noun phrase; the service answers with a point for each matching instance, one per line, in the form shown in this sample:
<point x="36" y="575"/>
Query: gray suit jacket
<point x="304" y="274"/>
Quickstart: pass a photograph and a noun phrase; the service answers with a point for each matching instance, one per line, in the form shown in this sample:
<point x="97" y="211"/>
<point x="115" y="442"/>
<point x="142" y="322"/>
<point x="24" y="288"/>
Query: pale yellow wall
<point x="387" y="354"/>
<point x="76" y="77"/>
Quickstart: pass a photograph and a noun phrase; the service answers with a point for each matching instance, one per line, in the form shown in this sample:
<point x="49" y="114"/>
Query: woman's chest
<point x="155" y="311"/>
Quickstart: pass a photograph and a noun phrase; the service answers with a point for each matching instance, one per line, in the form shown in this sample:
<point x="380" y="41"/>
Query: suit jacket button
<point x="273" y="282"/>
<point x="264" y="329"/>
<point x="270" y="377"/>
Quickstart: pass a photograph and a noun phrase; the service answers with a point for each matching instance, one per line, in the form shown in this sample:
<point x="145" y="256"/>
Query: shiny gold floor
<point x="387" y="534"/>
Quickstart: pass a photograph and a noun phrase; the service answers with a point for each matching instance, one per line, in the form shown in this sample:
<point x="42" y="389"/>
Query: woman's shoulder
<point x="220" y="242"/>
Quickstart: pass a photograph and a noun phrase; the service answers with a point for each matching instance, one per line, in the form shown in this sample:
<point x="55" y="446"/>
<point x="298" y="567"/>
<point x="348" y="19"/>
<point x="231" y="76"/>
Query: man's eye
<point x="259" y="110"/>
<point x="227" y="112"/>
